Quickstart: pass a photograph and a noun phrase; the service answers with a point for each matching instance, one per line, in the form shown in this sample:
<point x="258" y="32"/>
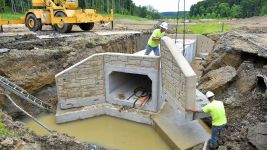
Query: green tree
<point x="229" y="8"/>
<point x="223" y="9"/>
<point x="264" y="9"/>
<point x="236" y="11"/>
<point x="250" y="7"/>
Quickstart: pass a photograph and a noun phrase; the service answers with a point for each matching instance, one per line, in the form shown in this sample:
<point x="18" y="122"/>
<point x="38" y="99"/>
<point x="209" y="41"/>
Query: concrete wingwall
<point x="204" y="44"/>
<point x="84" y="80"/>
<point x="178" y="78"/>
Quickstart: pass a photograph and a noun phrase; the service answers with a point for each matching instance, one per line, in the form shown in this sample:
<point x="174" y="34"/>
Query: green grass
<point x="4" y="131"/>
<point x="204" y="28"/>
<point x="10" y="16"/>
<point x="120" y="16"/>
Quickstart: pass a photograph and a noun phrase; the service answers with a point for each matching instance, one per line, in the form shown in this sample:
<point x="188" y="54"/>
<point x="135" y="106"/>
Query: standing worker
<point x="154" y="40"/>
<point x="219" y="122"/>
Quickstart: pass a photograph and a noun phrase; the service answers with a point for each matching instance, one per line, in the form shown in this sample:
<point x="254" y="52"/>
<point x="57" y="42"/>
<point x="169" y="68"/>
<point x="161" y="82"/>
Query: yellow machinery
<point x="61" y="14"/>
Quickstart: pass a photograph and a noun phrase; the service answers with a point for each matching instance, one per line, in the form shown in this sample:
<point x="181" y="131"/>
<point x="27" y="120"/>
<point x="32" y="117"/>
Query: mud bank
<point x="22" y="138"/>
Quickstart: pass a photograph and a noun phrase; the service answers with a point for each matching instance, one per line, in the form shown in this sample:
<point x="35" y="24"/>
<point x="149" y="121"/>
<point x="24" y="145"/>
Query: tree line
<point x="229" y="8"/>
<point x="125" y="7"/>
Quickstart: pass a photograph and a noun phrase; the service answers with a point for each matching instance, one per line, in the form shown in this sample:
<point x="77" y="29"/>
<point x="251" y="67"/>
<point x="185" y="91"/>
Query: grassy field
<point x="204" y="28"/>
<point x="129" y="17"/>
<point x="10" y="16"/>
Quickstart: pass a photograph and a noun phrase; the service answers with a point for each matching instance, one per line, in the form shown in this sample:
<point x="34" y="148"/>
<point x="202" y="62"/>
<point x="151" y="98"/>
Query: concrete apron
<point x="177" y="132"/>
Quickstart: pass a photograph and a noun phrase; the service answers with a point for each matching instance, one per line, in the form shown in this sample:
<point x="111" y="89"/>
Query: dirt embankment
<point x="257" y="24"/>
<point x="231" y="71"/>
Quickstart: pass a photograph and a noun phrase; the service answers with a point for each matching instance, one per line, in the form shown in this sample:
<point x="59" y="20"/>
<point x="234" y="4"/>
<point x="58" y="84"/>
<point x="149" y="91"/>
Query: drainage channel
<point x="110" y="132"/>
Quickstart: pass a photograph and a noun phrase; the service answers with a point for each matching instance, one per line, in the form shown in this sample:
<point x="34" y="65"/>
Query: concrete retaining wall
<point x="178" y="78"/>
<point x="204" y="44"/>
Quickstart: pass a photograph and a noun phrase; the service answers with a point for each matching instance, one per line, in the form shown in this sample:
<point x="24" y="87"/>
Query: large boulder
<point x="218" y="79"/>
<point x="216" y="61"/>
<point x="247" y="77"/>
<point x="257" y="135"/>
<point x="243" y="42"/>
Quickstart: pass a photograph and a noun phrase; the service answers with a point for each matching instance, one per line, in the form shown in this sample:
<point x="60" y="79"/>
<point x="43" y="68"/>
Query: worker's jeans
<point x="154" y="49"/>
<point x="215" y="133"/>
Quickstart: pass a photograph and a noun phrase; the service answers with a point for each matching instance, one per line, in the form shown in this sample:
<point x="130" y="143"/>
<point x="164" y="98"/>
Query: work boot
<point x="213" y="147"/>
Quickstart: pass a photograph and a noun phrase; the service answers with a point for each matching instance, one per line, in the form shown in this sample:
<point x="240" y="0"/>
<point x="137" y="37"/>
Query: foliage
<point x="125" y="7"/>
<point x="263" y="9"/>
<point x="229" y="8"/>
<point x="4" y="131"/>
<point x="173" y="15"/>
<point x="204" y="28"/>
<point x="236" y="11"/>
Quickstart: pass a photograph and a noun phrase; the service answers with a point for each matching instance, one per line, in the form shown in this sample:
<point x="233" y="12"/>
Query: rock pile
<point x="232" y="71"/>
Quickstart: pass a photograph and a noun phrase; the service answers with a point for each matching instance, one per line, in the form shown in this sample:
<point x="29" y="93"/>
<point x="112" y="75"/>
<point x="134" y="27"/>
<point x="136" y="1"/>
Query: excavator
<point x="61" y="15"/>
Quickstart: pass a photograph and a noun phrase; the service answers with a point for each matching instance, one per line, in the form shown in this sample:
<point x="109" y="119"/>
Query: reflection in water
<point x="106" y="131"/>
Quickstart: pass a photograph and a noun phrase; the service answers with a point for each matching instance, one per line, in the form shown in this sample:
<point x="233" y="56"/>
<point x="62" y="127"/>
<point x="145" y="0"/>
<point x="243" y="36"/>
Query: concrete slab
<point x="178" y="132"/>
<point x="131" y="114"/>
<point x="201" y="101"/>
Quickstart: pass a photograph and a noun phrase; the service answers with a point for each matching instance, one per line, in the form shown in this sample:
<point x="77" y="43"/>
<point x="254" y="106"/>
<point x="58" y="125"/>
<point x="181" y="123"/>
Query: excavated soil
<point x="231" y="72"/>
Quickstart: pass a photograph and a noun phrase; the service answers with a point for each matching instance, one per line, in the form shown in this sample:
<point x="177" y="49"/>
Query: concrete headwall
<point x="204" y="44"/>
<point x="178" y="78"/>
<point x="129" y="60"/>
<point x="133" y="64"/>
<point x="84" y="83"/>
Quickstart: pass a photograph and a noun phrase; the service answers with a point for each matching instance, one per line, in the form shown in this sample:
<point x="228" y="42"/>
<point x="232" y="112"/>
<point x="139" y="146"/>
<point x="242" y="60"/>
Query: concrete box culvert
<point x="262" y="84"/>
<point x="123" y="86"/>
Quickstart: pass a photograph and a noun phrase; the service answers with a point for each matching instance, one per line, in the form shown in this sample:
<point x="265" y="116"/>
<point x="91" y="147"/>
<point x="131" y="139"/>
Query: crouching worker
<point x="154" y="40"/>
<point x="219" y="122"/>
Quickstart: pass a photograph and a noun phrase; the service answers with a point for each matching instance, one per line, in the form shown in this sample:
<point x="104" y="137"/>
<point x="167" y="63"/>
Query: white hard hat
<point x="164" y="25"/>
<point x="209" y="94"/>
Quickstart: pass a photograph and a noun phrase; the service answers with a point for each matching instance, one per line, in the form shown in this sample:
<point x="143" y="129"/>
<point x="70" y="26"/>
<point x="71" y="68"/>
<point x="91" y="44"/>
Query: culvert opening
<point x="261" y="84"/>
<point x="133" y="89"/>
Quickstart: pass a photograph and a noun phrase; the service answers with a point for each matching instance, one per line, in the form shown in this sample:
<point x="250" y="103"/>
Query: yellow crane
<point x="61" y="14"/>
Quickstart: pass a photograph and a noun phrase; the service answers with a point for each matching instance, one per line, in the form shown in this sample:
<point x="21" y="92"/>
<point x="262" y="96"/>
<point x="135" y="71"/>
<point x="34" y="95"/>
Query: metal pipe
<point x="184" y="32"/>
<point x="34" y="119"/>
<point x="177" y="21"/>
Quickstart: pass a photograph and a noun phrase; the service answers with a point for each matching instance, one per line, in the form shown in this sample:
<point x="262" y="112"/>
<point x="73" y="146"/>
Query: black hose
<point x="144" y="93"/>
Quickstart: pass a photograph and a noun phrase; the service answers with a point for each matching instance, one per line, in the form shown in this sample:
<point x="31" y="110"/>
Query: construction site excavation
<point x="73" y="79"/>
<point x="91" y="75"/>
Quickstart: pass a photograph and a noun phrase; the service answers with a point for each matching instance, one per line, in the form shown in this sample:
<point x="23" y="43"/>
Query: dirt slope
<point x="231" y="72"/>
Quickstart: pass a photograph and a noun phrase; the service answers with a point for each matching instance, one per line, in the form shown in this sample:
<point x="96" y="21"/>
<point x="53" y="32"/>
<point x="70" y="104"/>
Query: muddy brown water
<point x="109" y="132"/>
